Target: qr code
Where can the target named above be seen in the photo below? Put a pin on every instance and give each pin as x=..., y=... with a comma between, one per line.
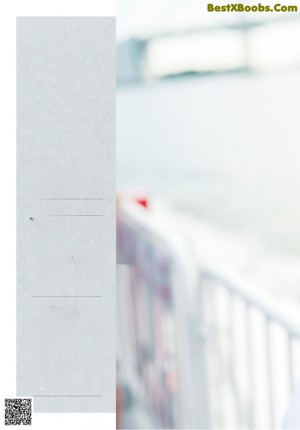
x=18, y=412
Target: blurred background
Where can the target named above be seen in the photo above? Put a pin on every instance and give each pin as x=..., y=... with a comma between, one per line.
x=208, y=140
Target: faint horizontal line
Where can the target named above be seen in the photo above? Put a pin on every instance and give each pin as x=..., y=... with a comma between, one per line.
x=75, y=215
x=73, y=198
x=44, y=395
x=68, y=297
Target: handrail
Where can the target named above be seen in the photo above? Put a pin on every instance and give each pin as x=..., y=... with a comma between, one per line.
x=189, y=282
x=253, y=300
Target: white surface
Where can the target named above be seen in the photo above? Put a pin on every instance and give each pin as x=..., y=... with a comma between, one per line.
x=66, y=213
x=292, y=416
x=9, y=11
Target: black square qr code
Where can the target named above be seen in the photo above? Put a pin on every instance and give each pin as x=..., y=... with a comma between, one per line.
x=18, y=412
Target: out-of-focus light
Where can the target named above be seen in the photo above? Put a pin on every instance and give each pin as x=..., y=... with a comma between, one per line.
x=217, y=51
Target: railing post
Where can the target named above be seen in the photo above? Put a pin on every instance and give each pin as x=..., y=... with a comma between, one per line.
x=198, y=345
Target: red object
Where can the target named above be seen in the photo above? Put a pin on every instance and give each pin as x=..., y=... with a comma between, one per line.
x=143, y=201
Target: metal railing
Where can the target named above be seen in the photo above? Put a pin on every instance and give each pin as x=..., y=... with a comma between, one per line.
x=201, y=350
x=250, y=354
x=153, y=331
